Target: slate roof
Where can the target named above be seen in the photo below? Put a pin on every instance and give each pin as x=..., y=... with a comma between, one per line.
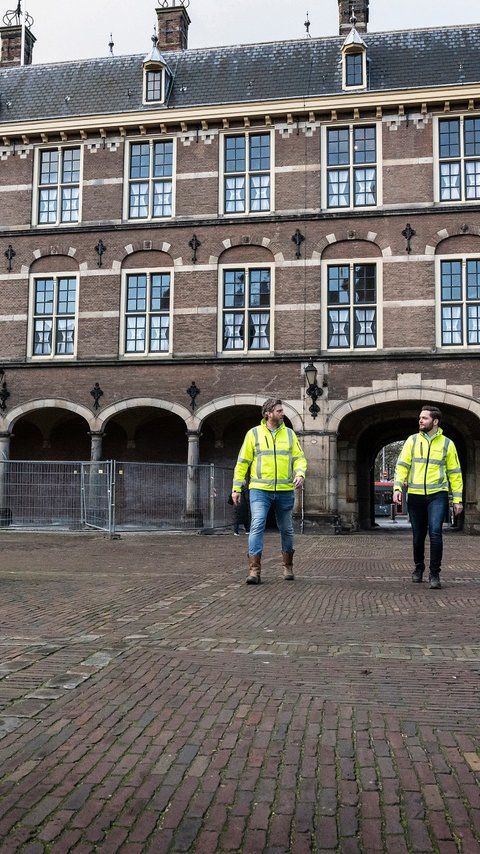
x=244, y=73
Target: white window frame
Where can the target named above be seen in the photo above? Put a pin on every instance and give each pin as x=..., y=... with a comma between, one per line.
x=351, y=166
x=148, y=313
x=54, y=316
x=154, y=70
x=350, y=306
x=357, y=86
x=463, y=302
x=57, y=186
x=245, y=309
x=461, y=159
x=150, y=180
x=248, y=173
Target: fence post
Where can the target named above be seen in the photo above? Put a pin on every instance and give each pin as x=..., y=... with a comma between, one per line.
x=83, y=509
x=111, y=497
x=212, y=495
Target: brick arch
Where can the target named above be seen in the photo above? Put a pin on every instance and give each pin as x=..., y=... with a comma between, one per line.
x=262, y=242
x=145, y=246
x=192, y=422
x=446, y=234
x=40, y=256
x=420, y=391
x=343, y=235
x=50, y=403
x=147, y=258
x=246, y=400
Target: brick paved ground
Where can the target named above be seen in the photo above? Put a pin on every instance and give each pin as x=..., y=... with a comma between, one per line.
x=151, y=701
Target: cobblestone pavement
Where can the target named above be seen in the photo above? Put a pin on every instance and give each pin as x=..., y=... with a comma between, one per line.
x=151, y=701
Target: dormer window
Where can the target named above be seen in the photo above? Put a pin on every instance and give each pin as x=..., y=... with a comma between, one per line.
x=154, y=85
x=354, y=69
x=156, y=77
x=354, y=62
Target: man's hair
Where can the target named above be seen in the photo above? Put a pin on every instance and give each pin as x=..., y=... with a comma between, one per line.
x=270, y=405
x=433, y=410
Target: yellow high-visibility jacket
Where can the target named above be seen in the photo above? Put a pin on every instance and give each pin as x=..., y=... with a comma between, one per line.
x=274, y=461
x=429, y=466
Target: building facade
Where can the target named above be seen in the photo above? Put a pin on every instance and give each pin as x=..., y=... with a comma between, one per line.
x=182, y=233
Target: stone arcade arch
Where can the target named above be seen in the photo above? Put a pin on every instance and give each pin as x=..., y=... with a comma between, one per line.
x=370, y=420
x=50, y=429
x=224, y=422
x=146, y=430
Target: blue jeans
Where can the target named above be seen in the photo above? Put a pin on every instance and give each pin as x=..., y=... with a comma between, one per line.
x=427, y=513
x=260, y=502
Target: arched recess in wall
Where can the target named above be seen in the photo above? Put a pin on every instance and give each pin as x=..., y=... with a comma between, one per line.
x=145, y=430
x=352, y=291
x=371, y=420
x=147, y=285
x=247, y=298
x=50, y=429
x=53, y=302
x=225, y=421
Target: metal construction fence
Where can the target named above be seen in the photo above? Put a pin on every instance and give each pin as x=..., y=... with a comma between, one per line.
x=114, y=496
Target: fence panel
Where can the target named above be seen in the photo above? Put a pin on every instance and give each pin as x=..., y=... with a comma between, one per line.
x=111, y=495
x=42, y=494
x=169, y=496
x=97, y=495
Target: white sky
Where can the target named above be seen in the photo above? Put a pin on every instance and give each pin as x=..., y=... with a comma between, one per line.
x=68, y=29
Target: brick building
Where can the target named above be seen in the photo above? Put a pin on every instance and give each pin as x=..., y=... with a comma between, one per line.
x=214, y=220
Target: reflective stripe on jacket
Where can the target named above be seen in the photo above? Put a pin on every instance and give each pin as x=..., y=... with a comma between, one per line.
x=429, y=466
x=274, y=461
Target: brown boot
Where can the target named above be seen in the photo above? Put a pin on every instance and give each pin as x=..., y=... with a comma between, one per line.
x=287, y=558
x=255, y=566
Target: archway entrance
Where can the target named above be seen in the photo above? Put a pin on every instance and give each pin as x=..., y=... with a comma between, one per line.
x=145, y=434
x=363, y=433
x=50, y=434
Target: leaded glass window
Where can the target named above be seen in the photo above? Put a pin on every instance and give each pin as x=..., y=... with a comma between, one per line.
x=54, y=316
x=352, y=166
x=352, y=306
x=459, y=159
x=460, y=302
x=59, y=186
x=147, y=313
x=247, y=178
x=150, y=180
x=246, y=295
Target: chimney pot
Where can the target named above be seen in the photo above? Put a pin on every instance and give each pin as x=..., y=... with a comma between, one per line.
x=359, y=9
x=11, y=49
x=173, y=23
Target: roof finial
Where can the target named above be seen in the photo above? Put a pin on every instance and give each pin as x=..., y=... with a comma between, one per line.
x=307, y=26
x=154, y=38
x=353, y=17
x=111, y=44
x=16, y=16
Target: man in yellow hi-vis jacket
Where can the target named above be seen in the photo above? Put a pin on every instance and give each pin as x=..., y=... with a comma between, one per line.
x=272, y=456
x=429, y=463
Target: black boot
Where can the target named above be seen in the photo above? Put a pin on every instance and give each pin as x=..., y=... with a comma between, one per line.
x=435, y=580
x=417, y=574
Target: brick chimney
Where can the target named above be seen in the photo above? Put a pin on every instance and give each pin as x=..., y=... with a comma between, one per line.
x=357, y=8
x=11, y=50
x=173, y=21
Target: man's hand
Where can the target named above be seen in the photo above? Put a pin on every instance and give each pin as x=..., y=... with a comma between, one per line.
x=236, y=496
x=457, y=509
x=397, y=496
x=298, y=481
